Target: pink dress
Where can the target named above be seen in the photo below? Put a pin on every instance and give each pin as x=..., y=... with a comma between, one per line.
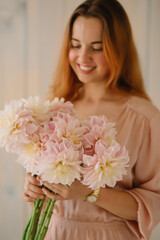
x=138, y=127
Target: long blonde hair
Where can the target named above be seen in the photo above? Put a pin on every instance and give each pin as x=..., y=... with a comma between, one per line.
x=119, y=49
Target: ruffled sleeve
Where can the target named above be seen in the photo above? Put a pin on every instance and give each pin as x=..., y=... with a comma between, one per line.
x=146, y=189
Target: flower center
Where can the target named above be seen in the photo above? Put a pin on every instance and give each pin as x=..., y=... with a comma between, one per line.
x=73, y=138
x=108, y=164
x=32, y=148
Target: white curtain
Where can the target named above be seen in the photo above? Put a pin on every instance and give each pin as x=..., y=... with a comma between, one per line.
x=30, y=39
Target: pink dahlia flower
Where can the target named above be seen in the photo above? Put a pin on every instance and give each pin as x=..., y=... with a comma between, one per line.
x=57, y=106
x=16, y=123
x=40, y=108
x=106, y=166
x=65, y=126
x=98, y=127
x=61, y=164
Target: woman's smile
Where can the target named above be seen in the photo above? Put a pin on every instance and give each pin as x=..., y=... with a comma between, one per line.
x=86, y=69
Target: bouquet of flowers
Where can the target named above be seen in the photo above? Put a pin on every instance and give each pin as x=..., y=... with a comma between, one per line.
x=54, y=143
x=48, y=139
x=104, y=160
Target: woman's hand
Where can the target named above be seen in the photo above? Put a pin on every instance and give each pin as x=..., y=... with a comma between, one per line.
x=62, y=192
x=32, y=189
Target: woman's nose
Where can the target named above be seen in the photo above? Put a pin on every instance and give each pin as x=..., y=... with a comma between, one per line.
x=84, y=55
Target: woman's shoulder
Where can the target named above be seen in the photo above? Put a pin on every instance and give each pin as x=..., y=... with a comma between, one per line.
x=143, y=107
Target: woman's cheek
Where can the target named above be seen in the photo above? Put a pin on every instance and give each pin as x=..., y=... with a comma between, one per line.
x=72, y=56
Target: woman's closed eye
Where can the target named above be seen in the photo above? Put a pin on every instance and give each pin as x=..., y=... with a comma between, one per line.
x=97, y=46
x=91, y=48
x=75, y=46
x=97, y=49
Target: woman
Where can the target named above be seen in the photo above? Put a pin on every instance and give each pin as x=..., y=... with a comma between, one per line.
x=99, y=72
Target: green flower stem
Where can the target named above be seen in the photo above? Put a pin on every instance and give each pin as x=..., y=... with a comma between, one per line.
x=26, y=229
x=46, y=222
x=33, y=222
x=42, y=219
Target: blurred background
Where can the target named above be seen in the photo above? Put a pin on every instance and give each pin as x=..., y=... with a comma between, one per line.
x=30, y=38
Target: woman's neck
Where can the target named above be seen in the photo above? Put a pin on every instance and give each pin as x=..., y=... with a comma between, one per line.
x=96, y=92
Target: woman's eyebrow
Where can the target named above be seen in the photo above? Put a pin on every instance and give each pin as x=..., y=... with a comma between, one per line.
x=95, y=42
x=75, y=39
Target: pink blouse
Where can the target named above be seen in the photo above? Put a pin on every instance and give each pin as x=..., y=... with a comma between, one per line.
x=138, y=127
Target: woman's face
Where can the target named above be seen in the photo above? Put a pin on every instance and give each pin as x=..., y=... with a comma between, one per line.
x=86, y=55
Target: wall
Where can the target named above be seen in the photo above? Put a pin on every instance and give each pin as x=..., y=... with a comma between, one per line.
x=30, y=39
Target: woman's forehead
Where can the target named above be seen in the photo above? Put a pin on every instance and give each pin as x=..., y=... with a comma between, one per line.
x=84, y=27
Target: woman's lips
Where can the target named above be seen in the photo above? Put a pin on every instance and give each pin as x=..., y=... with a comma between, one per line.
x=86, y=69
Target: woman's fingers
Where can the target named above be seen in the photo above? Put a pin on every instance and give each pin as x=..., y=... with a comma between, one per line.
x=52, y=195
x=28, y=198
x=56, y=188
x=32, y=179
x=32, y=189
x=34, y=194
